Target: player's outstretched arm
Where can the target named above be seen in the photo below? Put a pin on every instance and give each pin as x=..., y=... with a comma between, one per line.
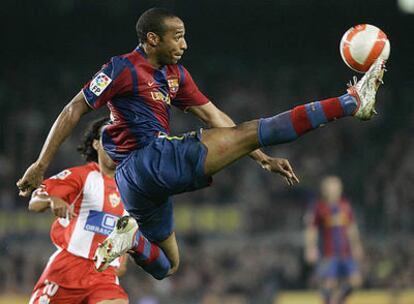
x=63, y=126
x=41, y=202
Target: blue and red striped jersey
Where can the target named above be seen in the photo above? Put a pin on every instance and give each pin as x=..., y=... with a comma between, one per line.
x=139, y=97
x=332, y=222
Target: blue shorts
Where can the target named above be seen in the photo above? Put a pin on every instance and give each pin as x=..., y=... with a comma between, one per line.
x=336, y=267
x=148, y=177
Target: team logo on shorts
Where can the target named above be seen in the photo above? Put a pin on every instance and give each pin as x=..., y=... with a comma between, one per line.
x=114, y=199
x=99, y=83
x=173, y=85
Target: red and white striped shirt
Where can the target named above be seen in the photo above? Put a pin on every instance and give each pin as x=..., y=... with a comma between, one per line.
x=95, y=199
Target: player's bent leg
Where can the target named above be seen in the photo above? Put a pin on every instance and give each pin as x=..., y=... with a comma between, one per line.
x=170, y=248
x=126, y=237
x=158, y=260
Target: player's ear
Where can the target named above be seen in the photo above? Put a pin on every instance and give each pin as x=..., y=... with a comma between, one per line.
x=95, y=144
x=153, y=39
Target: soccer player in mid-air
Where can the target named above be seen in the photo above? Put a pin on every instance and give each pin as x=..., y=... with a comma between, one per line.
x=87, y=204
x=139, y=88
x=332, y=242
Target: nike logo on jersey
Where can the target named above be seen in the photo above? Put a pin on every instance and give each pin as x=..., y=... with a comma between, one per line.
x=150, y=83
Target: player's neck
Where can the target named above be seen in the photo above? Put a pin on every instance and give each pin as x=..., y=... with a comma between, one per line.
x=151, y=56
x=106, y=171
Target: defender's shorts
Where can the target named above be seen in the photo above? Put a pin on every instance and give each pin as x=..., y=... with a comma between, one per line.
x=68, y=279
x=147, y=178
x=336, y=267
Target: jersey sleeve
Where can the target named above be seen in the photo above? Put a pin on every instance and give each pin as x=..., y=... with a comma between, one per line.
x=188, y=94
x=114, y=79
x=67, y=185
x=313, y=215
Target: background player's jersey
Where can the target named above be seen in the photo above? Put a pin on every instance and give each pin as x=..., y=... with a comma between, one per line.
x=95, y=199
x=332, y=222
x=139, y=97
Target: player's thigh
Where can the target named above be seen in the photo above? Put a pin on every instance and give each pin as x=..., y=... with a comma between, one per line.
x=114, y=301
x=226, y=145
x=352, y=273
x=330, y=283
x=328, y=272
x=170, y=248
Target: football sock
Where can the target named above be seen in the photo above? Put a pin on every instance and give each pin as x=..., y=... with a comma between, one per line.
x=326, y=294
x=289, y=125
x=150, y=257
x=344, y=292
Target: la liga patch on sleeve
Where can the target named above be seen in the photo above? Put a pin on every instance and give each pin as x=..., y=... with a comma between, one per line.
x=99, y=83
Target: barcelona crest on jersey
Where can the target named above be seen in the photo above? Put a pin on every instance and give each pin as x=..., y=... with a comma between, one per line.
x=173, y=85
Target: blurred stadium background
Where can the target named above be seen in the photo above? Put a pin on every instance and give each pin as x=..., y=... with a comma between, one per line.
x=241, y=240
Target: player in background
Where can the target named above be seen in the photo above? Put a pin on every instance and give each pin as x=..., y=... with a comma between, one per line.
x=87, y=204
x=332, y=243
x=139, y=88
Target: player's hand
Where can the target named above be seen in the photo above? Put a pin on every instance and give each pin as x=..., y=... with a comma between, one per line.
x=311, y=255
x=31, y=179
x=60, y=208
x=358, y=253
x=282, y=167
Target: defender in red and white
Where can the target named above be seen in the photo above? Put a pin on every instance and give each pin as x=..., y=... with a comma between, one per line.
x=87, y=204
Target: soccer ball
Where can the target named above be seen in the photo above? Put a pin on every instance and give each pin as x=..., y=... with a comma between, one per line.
x=361, y=45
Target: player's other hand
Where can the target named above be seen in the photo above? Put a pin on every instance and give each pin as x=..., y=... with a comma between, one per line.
x=281, y=166
x=31, y=179
x=311, y=255
x=60, y=208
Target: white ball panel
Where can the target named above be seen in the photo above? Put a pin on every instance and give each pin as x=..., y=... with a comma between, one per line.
x=362, y=44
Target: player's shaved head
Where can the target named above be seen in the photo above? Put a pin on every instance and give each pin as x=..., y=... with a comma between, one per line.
x=152, y=20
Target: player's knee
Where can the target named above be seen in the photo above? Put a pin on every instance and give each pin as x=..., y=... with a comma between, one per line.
x=355, y=281
x=330, y=284
x=248, y=126
x=174, y=267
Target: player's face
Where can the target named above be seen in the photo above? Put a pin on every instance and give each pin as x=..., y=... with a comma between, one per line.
x=172, y=44
x=331, y=189
x=103, y=157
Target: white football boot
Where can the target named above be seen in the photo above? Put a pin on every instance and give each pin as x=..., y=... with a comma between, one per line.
x=366, y=88
x=117, y=243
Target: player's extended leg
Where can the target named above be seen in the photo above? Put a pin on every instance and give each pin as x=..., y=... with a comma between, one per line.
x=226, y=145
